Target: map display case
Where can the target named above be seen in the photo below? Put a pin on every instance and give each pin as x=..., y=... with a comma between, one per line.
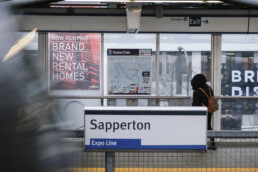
x=129, y=71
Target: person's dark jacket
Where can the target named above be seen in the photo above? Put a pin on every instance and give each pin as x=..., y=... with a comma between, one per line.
x=199, y=97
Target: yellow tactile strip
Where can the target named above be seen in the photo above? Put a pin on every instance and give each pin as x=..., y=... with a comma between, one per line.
x=167, y=170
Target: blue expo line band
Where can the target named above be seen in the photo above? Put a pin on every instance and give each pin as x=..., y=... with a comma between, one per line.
x=132, y=112
x=136, y=144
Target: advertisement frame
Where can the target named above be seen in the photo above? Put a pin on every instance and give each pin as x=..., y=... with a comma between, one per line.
x=73, y=92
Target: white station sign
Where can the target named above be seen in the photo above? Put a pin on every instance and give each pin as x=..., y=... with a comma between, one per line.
x=145, y=128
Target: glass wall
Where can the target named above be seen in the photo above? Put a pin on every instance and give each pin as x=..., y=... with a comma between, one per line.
x=181, y=57
x=239, y=78
x=130, y=66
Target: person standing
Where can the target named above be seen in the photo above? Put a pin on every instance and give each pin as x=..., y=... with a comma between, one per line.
x=200, y=98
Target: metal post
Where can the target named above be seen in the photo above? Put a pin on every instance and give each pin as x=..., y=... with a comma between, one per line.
x=188, y=70
x=102, y=69
x=43, y=58
x=157, y=66
x=109, y=159
x=188, y=73
x=216, y=74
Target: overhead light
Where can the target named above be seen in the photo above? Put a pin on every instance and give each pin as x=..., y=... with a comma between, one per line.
x=150, y=1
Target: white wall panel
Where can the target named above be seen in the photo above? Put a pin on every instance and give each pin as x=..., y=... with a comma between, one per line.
x=72, y=23
x=148, y=24
x=215, y=24
x=253, y=24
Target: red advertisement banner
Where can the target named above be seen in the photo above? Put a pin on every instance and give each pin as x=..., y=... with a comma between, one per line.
x=74, y=61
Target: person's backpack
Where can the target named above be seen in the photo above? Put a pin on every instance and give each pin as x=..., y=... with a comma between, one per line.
x=212, y=102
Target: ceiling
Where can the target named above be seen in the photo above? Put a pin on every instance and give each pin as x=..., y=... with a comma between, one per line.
x=98, y=8
x=134, y=10
x=147, y=4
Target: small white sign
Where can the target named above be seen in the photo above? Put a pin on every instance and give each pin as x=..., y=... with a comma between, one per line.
x=145, y=128
x=179, y=19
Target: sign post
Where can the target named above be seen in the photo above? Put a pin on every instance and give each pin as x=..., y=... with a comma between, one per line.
x=109, y=159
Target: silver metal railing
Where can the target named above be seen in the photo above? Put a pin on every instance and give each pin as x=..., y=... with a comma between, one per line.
x=236, y=151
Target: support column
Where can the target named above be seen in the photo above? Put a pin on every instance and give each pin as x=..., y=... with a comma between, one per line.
x=102, y=69
x=43, y=58
x=216, y=75
x=157, y=67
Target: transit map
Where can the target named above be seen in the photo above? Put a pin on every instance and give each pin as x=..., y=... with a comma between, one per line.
x=129, y=71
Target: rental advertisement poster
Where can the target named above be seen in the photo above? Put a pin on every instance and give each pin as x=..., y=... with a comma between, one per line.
x=129, y=71
x=74, y=61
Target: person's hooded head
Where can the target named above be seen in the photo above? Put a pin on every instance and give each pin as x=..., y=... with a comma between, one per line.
x=198, y=81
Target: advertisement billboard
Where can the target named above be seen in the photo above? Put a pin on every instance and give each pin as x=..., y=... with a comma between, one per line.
x=239, y=79
x=74, y=61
